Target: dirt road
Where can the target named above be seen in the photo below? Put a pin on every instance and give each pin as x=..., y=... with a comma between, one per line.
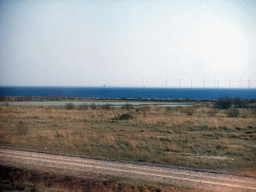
x=200, y=179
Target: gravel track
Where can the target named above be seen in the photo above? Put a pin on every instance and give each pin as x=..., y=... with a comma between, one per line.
x=213, y=181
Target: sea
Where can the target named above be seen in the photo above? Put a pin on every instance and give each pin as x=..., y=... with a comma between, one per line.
x=130, y=93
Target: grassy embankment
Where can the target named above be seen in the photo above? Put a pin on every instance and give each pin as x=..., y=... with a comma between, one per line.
x=16, y=179
x=199, y=137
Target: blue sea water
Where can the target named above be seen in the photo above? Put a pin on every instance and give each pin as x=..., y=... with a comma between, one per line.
x=133, y=93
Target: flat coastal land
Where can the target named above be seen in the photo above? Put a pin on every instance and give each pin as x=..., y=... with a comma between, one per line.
x=193, y=134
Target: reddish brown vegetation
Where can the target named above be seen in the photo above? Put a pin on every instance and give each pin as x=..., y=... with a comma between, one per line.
x=17, y=179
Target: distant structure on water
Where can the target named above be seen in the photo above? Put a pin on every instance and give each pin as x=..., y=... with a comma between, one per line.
x=179, y=81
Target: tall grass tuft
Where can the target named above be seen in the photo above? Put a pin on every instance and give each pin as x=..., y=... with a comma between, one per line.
x=232, y=112
x=22, y=128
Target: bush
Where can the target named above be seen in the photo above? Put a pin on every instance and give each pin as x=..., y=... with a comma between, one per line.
x=212, y=112
x=240, y=103
x=253, y=111
x=169, y=109
x=123, y=116
x=127, y=106
x=93, y=106
x=188, y=110
x=70, y=98
x=83, y=107
x=20, y=98
x=232, y=112
x=22, y=128
x=3, y=98
x=70, y=106
x=143, y=109
x=173, y=109
x=107, y=106
x=223, y=103
x=28, y=98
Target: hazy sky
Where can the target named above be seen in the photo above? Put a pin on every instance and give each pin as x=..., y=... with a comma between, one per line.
x=128, y=43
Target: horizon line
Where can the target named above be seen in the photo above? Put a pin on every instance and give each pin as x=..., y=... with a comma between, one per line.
x=162, y=87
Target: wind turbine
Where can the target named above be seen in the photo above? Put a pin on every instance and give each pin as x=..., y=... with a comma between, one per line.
x=179, y=81
x=191, y=82
x=143, y=83
x=215, y=82
x=218, y=83
x=166, y=82
x=203, y=82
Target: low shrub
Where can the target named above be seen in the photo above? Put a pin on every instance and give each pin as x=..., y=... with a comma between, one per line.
x=28, y=98
x=173, y=109
x=69, y=106
x=188, y=110
x=212, y=112
x=232, y=112
x=240, y=103
x=70, y=98
x=20, y=98
x=168, y=109
x=107, y=106
x=143, y=109
x=223, y=103
x=93, y=106
x=22, y=128
x=83, y=107
x=3, y=98
x=127, y=106
x=253, y=111
x=123, y=117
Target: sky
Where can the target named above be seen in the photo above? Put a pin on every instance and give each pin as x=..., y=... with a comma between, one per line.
x=128, y=43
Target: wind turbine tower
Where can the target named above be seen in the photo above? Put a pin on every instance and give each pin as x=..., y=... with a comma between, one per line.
x=218, y=83
x=203, y=82
x=166, y=82
x=191, y=82
x=179, y=81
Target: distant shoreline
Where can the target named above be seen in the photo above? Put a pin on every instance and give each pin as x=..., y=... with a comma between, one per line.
x=88, y=99
x=81, y=99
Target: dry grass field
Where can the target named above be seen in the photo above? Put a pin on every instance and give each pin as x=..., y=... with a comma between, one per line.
x=197, y=137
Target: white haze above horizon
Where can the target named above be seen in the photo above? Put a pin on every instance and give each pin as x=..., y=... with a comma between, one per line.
x=128, y=43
